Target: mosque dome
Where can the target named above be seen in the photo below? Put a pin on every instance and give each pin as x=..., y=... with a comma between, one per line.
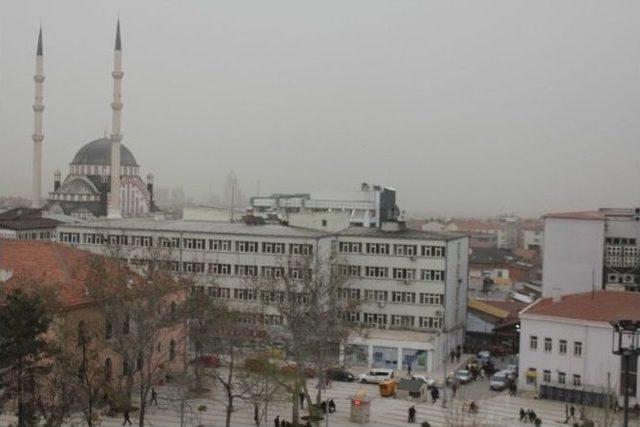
x=98, y=152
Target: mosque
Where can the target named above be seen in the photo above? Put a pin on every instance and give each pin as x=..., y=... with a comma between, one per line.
x=88, y=190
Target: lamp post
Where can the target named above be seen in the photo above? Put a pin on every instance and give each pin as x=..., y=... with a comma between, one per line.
x=626, y=343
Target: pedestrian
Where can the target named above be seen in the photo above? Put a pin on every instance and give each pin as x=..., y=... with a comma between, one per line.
x=473, y=408
x=412, y=414
x=126, y=417
x=537, y=422
x=283, y=423
x=409, y=370
x=572, y=412
x=332, y=406
x=256, y=415
x=323, y=406
x=532, y=415
x=452, y=355
x=458, y=354
x=454, y=388
x=276, y=421
x=523, y=414
x=154, y=396
x=301, y=397
x=435, y=394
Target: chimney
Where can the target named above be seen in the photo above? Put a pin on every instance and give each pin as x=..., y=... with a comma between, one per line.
x=56, y=180
x=555, y=294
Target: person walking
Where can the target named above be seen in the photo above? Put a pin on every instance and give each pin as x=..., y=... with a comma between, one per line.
x=523, y=414
x=154, y=396
x=332, y=406
x=409, y=370
x=301, y=397
x=276, y=421
x=435, y=394
x=454, y=388
x=126, y=417
x=412, y=414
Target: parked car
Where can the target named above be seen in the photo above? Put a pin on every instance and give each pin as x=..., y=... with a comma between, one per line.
x=499, y=380
x=339, y=374
x=430, y=382
x=513, y=371
x=463, y=376
x=376, y=376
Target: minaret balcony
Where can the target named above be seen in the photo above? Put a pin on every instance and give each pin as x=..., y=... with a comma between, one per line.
x=117, y=105
x=117, y=74
x=37, y=137
x=38, y=78
x=38, y=108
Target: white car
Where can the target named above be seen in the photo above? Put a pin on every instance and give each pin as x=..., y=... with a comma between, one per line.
x=430, y=382
x=499, y=380
x=376, y=376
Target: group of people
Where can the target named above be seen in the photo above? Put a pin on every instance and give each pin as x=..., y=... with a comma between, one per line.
x=331, y=406
x=277, y=422
x=530, y=416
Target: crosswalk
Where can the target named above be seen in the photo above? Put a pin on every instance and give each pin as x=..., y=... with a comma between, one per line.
x=497, y=410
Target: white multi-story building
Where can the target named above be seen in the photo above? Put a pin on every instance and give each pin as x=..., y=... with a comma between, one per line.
x=566, y=346
x=368, y=207
x=412, y=289
x=411, y=285
x=587, y=250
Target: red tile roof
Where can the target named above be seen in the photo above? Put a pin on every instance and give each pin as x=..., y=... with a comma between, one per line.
x=599, y=306
x=59, y=268
x=577, y=215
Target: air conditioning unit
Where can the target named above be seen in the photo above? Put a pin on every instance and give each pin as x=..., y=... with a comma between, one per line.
x=613, y=278
x=381, y=304
x=406, y=281
x=628, y=278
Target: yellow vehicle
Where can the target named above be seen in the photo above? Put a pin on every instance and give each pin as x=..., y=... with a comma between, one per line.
x=388, y=388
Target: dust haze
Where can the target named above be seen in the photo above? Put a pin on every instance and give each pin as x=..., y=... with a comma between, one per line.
x=465, y=107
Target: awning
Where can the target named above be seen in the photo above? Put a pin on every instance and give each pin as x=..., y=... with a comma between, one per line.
x=532, y=374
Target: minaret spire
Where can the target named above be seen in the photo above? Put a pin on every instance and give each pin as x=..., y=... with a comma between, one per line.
x=114, y=209
x=38, y=135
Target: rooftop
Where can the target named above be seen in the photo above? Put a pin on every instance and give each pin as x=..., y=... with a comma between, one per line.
x=492, y=256
x=403, y=233
x=599, y=214
x=599, y=306
x=212, y=227
x=26, y=219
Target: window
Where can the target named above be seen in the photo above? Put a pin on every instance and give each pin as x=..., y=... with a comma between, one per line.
x=632, y=378
x=404, y=273
x=376, y=272
x=108, y=329
x=429, y=322
x=246, y=270
x=220, y=245
x=350, y=247
x=562, y=377
x=431, y=299
x=401, y=321
x=172, y=350
x=349, y=293
x=220, y=269
x=324, y=222
x=246, y=246
x=375, y=319
x=378, y=248
x=193, y=243
x=273, y=248
x=548, y=346
x=577, y=348
x=220, y=293
x=271, y=272
x=300, y=249
x=169, y=242
x=577, y=379
x=350, y=270
x=562, y=347
x=351, y=316
x=244, y=294
x=432, y=251
x=407, y=250
x=193, y=267
x=546, y=376
x=371, y=295
x=70, y=237
x=432, y=275
x=406, y=297
x=533, y=342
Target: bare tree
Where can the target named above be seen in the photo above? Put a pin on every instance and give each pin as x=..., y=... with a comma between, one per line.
x=308, y=296
x=263, y=381
x=144, y=324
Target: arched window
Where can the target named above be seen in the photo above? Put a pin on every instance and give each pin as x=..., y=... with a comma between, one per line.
x=125, y=365
x=108, y=369
x=81, y=332
x=108, y=329
x=172, y=350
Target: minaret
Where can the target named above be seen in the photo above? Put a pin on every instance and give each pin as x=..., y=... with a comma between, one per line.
x=114, y=209
x=38, y=136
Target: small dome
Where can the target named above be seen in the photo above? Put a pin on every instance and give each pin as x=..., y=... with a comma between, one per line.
x=78, y=185
x=98, y=152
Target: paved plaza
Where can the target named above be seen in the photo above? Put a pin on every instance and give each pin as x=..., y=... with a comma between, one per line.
x=496, y=409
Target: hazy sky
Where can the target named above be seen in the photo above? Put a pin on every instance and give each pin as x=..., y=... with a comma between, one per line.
x=466, y=107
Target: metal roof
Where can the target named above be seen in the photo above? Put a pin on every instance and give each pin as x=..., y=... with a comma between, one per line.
x=211, y=227
x=98, y=152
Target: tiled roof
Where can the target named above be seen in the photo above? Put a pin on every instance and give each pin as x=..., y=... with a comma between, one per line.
x=56, y=267
x=599, y=306
x=491, y=256
x=405, y=233
x=477, y=225
x=30, y=224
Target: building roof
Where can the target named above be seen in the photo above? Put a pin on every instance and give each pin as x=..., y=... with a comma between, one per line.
x=403, y=233
x=483, y=255
x=98, y=152
x=600, y=214
x=213, y=227
x=499, y=309
x=477, y=225
x=599, y=306
x=46, y=264
x=26, y=219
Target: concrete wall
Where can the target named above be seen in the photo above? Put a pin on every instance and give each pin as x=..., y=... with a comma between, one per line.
x=572, y=256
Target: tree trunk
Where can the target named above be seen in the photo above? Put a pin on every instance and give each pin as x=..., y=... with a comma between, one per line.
x=143, y=404
x=295, y=411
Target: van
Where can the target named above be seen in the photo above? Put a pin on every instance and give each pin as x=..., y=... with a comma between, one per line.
x=376, y=376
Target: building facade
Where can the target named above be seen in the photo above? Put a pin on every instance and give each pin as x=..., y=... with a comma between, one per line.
x=566, y=346
x=410, y=285
x=591, y=250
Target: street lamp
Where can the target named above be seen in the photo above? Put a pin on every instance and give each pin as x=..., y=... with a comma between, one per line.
x=626, y=343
